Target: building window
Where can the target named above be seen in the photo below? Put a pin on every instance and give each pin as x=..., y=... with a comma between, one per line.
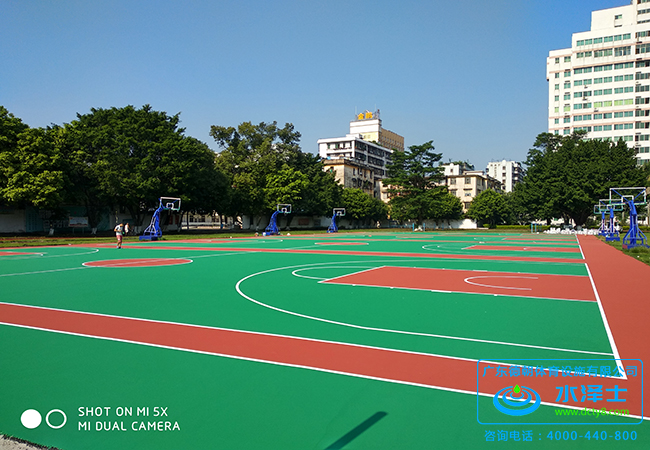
x=567, y=59
x=602, y=53
x=468, y=180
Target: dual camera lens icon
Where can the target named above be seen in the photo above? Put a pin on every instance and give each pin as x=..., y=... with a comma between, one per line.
x=32, y=419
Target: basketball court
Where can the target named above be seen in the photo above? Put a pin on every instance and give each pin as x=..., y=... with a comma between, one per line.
x=337, y=341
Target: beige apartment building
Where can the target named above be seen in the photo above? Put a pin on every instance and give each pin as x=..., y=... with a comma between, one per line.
x=466, y=183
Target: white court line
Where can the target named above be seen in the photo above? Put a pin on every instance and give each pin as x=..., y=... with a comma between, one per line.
x=275, y=362
x=300, y=366
x=369, y=269
x=133, y=261
x=91, y=267
x=608, y=330
x=361, y=327
x=464, y=292
x=42, y=271
x=466, y=280
x=45, y=255
x=295, y=272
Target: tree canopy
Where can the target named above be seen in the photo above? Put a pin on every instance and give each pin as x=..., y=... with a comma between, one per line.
x=363, y=208
x=567, y=175
x=413, y=184
x=488, y=206
x=266, y=166
x=119, y=157
x=130, y=157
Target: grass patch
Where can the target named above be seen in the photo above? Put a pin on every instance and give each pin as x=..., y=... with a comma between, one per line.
x=639, y=253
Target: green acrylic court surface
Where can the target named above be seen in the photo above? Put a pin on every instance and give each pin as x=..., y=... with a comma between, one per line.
x=345, y=341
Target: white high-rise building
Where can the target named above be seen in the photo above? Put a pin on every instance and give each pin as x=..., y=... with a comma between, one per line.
x=508, y=173
x=602, y=83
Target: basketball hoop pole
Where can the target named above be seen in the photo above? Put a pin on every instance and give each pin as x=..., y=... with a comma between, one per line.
x=153, y=232
x=634, y=236
x=340, y=212
x=272, y=228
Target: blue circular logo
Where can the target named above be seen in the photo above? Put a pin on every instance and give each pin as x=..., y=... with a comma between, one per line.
x=516, y=401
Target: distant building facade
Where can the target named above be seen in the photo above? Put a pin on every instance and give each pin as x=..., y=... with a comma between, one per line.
x=508, y=173
x=359, y=159
x=466, y=183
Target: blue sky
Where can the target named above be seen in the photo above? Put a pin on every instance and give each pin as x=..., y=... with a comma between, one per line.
x=469, y=75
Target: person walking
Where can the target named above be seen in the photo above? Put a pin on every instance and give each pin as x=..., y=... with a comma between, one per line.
x=119, y=230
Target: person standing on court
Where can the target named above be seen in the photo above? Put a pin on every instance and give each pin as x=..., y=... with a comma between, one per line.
x=119, y=230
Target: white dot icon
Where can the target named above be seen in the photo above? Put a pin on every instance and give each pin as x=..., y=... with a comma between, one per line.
x=31, y=418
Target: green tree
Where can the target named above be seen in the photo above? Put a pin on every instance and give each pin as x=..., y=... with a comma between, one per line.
x=363, y=208
x=323, y=192
x=567, y=175
x=130, y=157
x=413, y=177
x=519, y=210
x=488, y=206
x=285, y=186
x=266, y=166
x=32, y=166
x=446, y=207
x=250, y=154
